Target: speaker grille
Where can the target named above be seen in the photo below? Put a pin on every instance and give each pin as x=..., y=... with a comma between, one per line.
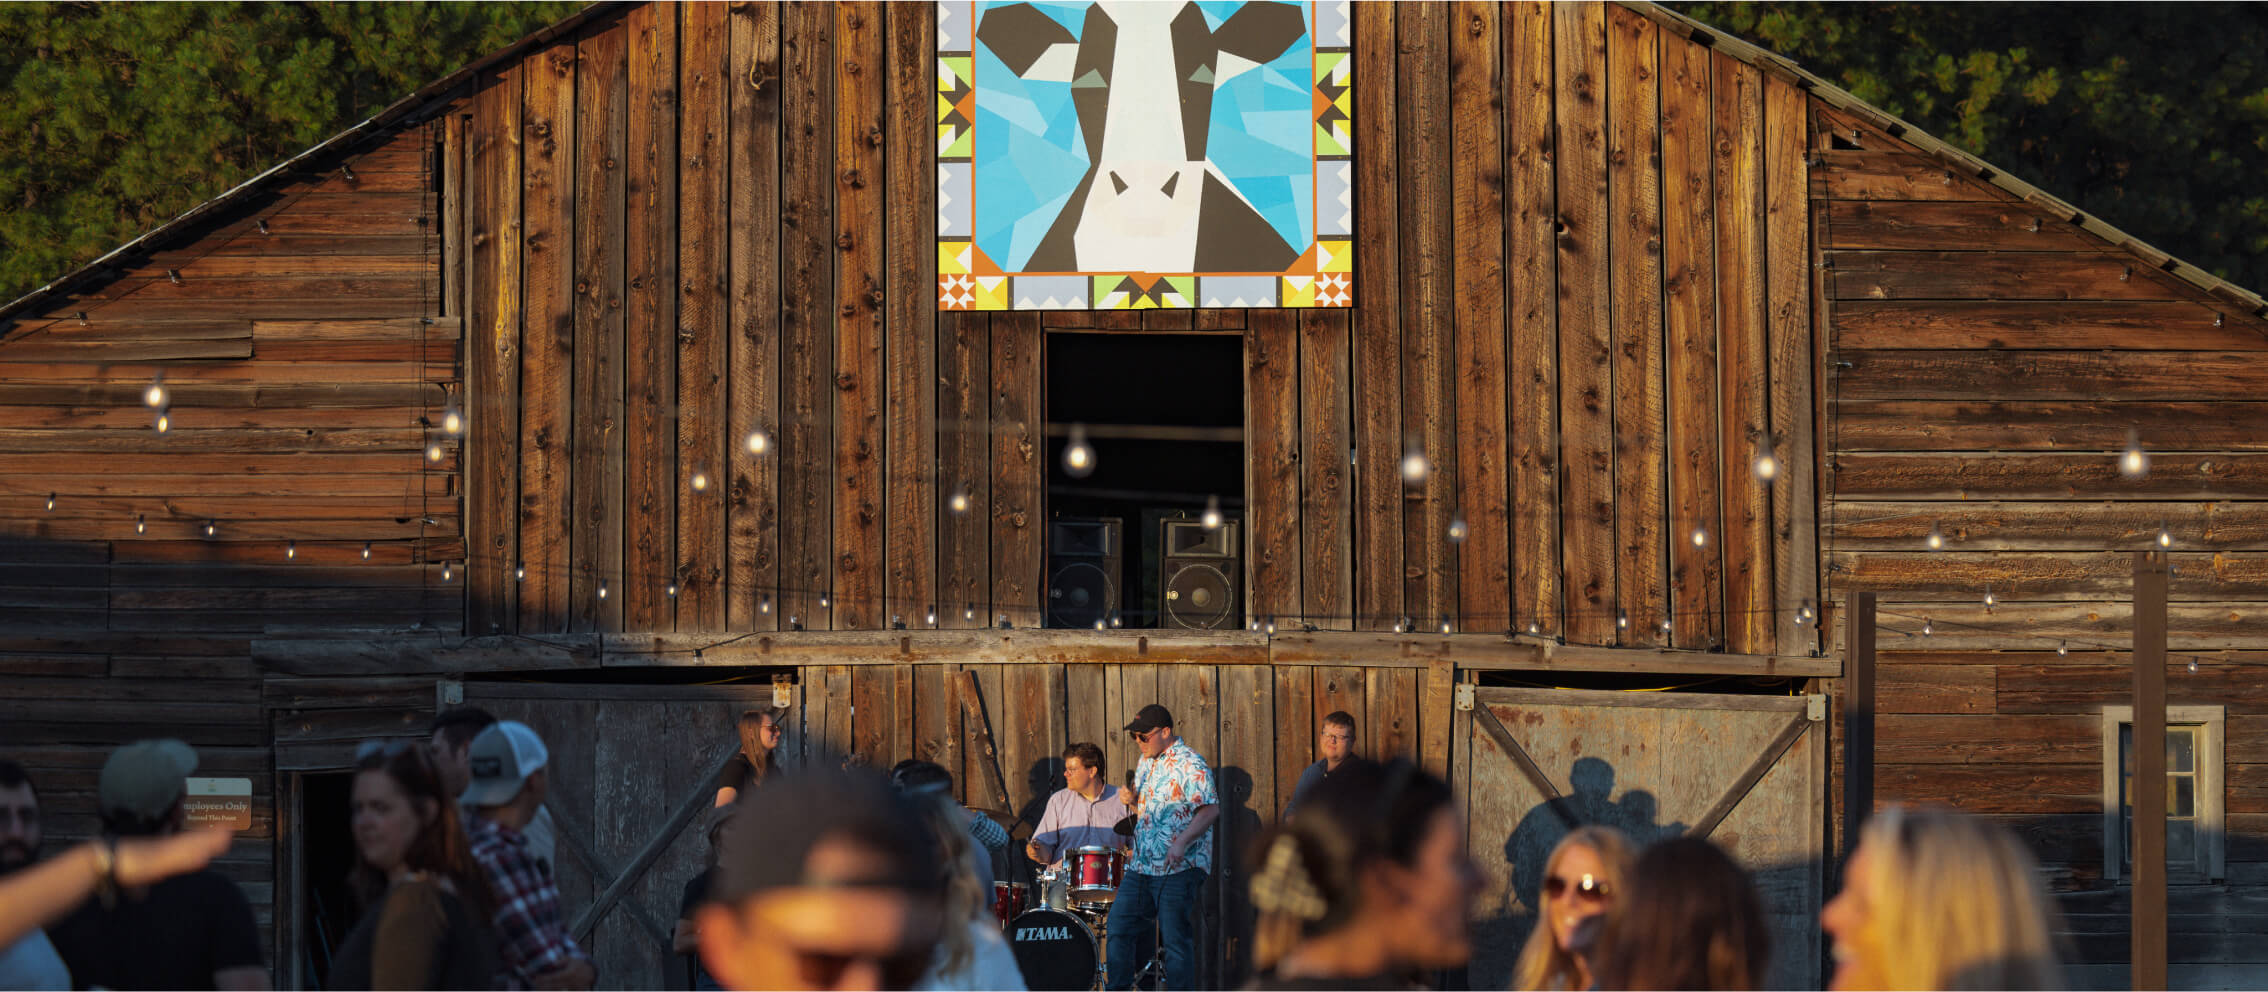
x=1199, y=574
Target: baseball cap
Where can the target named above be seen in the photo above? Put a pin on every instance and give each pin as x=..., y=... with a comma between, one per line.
x=1150, y=718
x=501, y=758
x=761, y=853
x=144, y=779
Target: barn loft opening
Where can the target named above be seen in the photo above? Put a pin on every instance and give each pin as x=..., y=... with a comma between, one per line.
x=1164, y=415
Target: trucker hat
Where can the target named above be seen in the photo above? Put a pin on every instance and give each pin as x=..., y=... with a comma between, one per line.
x=501, y=758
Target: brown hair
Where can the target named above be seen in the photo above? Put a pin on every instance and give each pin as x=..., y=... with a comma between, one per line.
x=1088, y=755
x=1689, y=918
x=1339, y=718
x=761, y=765
x=440, y=846
x=1543, y=963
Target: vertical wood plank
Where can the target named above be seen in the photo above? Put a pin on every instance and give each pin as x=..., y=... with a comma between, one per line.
x=1085, y=710
x=1787, y=278
x=910, y=475
x=1326, y=504
x=812, y=732
x=1118, y=750
x=1017, y=470
x=1635, y=319
x=703, y=336
x=1436, y=706
x=602, y=93
x=1480, y=377
x=452, y=218
x=872, y=708
x=547, y=259
x=842, y=709
x=1586, y=396
x=1531, y=217
x=1390, y=695
x=1294, y=696
x=807, y=319
x=976, y=782
x=901, y=713
x=1689, y=288
x=964, y=457
x=752, y=106
x=1377, y=326
x=491, y=525
x=860, y=193
x=1247, y=785
x=1272, y=435
x=1188, y=691
x=652, y=477
x=1737, y=111
x=1428, y=307
x=937, y=716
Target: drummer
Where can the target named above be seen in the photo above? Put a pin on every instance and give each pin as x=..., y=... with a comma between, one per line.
x=1082, y=813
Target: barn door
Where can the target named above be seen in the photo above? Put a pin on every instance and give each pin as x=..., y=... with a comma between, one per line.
x=1747, y=772
x=632, y=769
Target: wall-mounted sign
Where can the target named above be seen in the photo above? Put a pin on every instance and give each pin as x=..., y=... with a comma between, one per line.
x=1144, y=154
x=219, y=802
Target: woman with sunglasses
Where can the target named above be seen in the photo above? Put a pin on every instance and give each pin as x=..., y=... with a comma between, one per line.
x=1368, y=887
x=1581, y=878
x=1935, y=899
x=426, y=901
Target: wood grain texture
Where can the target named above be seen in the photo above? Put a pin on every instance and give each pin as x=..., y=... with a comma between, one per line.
x=1479, y=369
x=910, y=477
x=964, y=456
x=1296, y=729
x=703, y=320
x=1983, y=424
x=861, y=446
x=595, y=531
x=547, y=258
x=1983, y=226
x=1531, y=220
x=1272, y=504
x=807, y=317
x=2046, y=525
x=1689, y=290
x=1737, y=108
x=1377, y=400
x=2048, y=325
x=651, y=476
x=1428, y=268
x=1326, y=470
x=1787, y=277
x=1966, y=275
x=493, y=360
x=2130, y=376
x=1017, y=448
x=1986, y=475
x=1586, y=370
x=753, y=359
x=1634, y=195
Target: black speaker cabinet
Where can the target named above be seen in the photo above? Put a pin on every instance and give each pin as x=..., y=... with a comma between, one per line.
x=1200, y=575
x=1083, y=558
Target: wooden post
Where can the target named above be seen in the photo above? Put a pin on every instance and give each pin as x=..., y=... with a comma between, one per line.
x=2148, y=792
x=1858, y=719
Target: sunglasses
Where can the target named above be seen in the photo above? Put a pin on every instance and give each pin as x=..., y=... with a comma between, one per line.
x=387, y=747
x=1589, y=888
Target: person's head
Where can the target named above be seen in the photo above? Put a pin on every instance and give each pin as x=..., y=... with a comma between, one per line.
x=842, y=892
x=958, y=896
x=1152, y=730
x=142, y=786
x=1582, y=877
x=508, y=764
x=405, y=821
x=1082, y=766
x=1337, y=741
x=19, y=818
x=761, y=731
x=453, y=733
x=916, y=777
x=1377, y=853
x=1935, y=899
x=1688, y=918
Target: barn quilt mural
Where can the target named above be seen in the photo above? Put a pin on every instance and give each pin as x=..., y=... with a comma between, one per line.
x=1144, y=154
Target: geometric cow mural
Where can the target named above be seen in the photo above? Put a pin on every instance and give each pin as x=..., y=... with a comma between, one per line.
x=1143, y=154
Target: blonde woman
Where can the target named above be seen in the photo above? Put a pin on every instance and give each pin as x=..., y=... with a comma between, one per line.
x=1936, y=899
x=1584, y=873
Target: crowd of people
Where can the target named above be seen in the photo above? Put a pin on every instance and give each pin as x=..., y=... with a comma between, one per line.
x=829, y=875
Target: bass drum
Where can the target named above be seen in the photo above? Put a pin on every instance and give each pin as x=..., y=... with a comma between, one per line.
x=1055, y=950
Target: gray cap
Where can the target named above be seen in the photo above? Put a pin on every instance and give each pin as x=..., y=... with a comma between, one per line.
x=501, y=758
x=144, y=779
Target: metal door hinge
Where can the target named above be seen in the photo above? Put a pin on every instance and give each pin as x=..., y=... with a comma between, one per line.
x=1815, y=707
x=1464, y=695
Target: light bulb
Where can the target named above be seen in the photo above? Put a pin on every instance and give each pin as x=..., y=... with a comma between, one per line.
x=519, y=573
x=1928, y=628
x=212, y=527
x=1700, y=537
x=700, y=480
x=602, y=589
x=824, y=602
x=51, y=501
x=154, y=397
x=764, y=604
x=453, y=421
x=433, y=452
x=1804, y=614
x=1212, y=516
x=1622, y=619
x=1457, y=529
x=446, y=571
x=759, y=442
x=670, y=590
x=2193, y=666
x=164, y=423
x=1270, y=629
x=1101, y=624
x=931, y=617
x=1078, y=455
x=1534, y=628
x=2165, y=537
x=1252, y=625
x=1402, y=626
x=140, y=525
x=1115, y=622
x=2062, y=649
x=365, y=551
x=1989, y=599
x=1936, y=538
x=959, y=501
x=1666, y=628
x=968, y=612
x=1445, y=628
x=291, y=549
x=1767, y=466
x=1414, y=468
x=2134, y=462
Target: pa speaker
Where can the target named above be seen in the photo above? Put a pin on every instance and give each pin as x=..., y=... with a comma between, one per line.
x=1200, y=572
x=1082, y=570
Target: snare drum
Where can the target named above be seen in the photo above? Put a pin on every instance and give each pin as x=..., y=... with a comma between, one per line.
x=1054, y=950
x=1008, y=900
x=1095, y=873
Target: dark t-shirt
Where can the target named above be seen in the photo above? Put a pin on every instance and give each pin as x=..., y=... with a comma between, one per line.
x=430, y=941
x=739, y=773
x=174, y=937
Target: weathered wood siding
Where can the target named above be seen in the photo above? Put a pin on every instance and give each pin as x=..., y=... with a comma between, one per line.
x=1988, y=363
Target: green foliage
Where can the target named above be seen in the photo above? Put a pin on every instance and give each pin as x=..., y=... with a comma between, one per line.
x=117, y=117
x=2153, y=116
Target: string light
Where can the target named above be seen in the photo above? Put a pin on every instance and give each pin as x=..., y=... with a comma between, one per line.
x=446, y=571
x=365, y=551
x=1115, y=622
x=1700, y=537
x=140, y=525
x=1445, y=628
x=1402, y=626
x=968, y=612
x=1622, y=619
x=1414, y=467
x=1101, y=624
x=764, y=604
x=1456, y=529
x=825, y=602
x=51, y=502
x=1990, y=600
x=519, y=573
x=1767, y=465
x=2134, y=462
x=1666, y=628
x=1270, y=628
x=154, y=397
x=2062, y=649
x=2193, y=664
x=959, y=501
x=2165, y=537
x=1252, y=625
x=602, y=588
x=1078, y=456
x=1927, y=628
x=453, y=421
x=931, y=616
x=758, y=442
x=433, y=452
x=1534, y=629
x=1804, y=614
x=1936, y=538
x=700, y=480
x=212, y=527
x=164, y=423
x=1211, y=520
x=291, y=549
x=670, y=590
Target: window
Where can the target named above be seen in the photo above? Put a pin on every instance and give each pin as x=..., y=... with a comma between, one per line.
x=2194, y=851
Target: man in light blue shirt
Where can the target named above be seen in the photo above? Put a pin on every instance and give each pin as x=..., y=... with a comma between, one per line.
x=29, y=963
x=1082, y=813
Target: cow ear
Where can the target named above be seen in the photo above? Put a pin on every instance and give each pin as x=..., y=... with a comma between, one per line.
x=1258, y=32
x=1019, y=34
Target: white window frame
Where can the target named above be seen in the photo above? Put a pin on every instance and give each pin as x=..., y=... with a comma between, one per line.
x=2212, y=848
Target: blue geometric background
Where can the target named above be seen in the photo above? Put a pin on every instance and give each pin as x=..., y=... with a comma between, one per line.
x=1030, y=155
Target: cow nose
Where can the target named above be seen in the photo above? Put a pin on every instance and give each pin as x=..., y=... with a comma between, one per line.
x=1117, y=182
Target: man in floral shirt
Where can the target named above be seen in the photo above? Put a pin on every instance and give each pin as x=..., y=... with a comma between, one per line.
x=1173, y=849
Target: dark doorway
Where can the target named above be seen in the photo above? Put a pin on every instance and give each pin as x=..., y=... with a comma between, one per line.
x=1163, y=415
x=327, y=859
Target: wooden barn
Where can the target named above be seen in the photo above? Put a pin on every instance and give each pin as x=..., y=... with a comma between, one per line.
x=606, y=384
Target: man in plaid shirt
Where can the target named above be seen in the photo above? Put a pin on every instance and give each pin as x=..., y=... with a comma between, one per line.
x=508, y=782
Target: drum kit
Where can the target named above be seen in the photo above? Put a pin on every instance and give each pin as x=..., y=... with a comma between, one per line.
x=1058, y=941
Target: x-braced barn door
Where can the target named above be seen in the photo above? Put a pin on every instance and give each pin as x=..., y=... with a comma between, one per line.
x=1747, y=772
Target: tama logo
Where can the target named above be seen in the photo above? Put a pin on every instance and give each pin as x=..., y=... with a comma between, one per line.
x=1043, y=933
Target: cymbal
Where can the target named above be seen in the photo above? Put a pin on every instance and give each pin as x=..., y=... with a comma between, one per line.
x=1125, y=826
